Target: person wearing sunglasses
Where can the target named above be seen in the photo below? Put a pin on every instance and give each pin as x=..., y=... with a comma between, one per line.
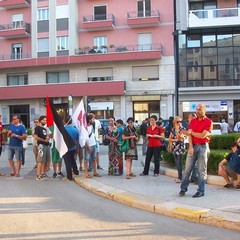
x=176, y=143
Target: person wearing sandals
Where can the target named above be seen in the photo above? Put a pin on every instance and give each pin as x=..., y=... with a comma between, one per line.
x=17, y=133
x=90, y=150
x=176, y=141
x=115, y=163
x=154, y=136
x=131, y=134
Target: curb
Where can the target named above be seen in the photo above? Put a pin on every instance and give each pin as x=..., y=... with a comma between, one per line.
x=206, y=216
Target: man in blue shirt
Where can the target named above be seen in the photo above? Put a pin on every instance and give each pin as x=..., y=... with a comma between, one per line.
x=69, y=157
x=17, y=134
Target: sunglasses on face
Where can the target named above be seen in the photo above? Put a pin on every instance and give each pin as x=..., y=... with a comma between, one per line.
x=178, y=121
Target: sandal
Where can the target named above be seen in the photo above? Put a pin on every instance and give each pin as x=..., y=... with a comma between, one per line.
x=1, y=174
x=128, y=177
x=132, y=175
x=88, y=176
x=96, y=175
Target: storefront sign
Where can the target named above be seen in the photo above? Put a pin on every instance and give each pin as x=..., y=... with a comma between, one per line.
x=101, y=106
x=146, y=98
x=211, y=106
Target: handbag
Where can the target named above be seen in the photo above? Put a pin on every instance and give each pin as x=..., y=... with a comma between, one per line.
x=106, y=142
x=125, y=146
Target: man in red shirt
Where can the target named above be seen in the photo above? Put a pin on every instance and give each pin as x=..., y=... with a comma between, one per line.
x=154, y=136
x=199, y=134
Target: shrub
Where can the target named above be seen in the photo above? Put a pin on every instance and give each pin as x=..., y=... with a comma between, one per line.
x=223, y=141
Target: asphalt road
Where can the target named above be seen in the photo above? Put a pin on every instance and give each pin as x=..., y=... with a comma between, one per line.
x=58, y=209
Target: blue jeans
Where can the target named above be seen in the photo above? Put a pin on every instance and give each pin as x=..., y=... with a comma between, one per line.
x=178, y=161
x=200, y=155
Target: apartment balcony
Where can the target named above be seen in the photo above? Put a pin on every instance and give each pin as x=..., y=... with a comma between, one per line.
x=214, y=17
x=86, y=55
x=109, y=88
x=98, y=22
x=143, y=19
x=10, y=4
x=15, y=30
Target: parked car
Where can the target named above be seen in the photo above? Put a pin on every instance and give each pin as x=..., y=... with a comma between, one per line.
x=216, y=128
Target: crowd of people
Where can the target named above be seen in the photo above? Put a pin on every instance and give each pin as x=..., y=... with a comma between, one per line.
x=196, y=137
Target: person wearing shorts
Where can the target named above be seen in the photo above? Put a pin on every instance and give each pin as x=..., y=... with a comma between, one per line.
x=17, y=133
x=90, y=150
x=42, y=137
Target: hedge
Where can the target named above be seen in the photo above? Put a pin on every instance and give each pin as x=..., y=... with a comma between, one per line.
x=219, y=148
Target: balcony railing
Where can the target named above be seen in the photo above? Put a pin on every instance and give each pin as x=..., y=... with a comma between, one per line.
x=15, y=25
x=118, y=49
x=93, y=50
x=143, y=14
x=214, y=17
x=99, y=17
x=9, y=4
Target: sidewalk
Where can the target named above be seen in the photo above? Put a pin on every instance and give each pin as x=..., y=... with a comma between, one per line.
x=219, y=207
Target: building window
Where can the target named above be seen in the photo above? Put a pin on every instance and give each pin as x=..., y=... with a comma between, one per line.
x=144, y=41
x=145, y=73
x=17, y=20
x=210, y=57
x=144, y=8
x=99, y=43
x=16, y=51
x=62, y=11
x=57, y=77
x=17, y=79
x=100, y=13
x=100, y=74
x=43, y=14
x=62, y=43
x=43, y=44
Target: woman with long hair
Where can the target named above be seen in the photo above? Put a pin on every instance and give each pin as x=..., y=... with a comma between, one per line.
x=115, y=165
x=176, y=141
x=131, y=134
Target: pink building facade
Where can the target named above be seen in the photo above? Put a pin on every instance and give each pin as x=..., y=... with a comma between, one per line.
x=118, y=53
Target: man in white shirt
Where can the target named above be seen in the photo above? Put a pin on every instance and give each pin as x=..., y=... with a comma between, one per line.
x=224, y=127
x=237, y=127
x=96, y=127
x=90, y=150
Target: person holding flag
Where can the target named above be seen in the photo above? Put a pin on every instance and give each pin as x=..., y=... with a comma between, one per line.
x=69, y=156
x=62, y=141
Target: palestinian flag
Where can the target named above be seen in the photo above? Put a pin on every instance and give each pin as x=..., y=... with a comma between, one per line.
x=62, y=140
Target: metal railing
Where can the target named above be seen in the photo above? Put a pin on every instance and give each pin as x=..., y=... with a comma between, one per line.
x=93, y=50
x=117, y=49
x=143, y=14
x=16, y=25
x=99, y=17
